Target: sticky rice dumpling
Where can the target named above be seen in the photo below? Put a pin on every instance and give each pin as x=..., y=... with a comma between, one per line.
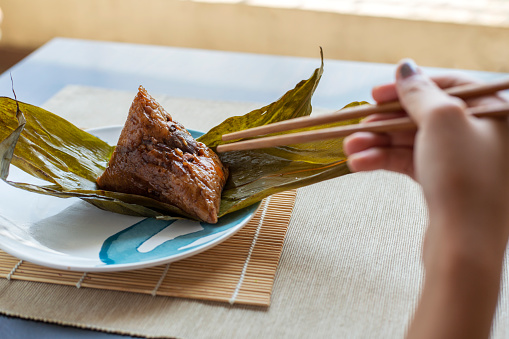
x=158, y=158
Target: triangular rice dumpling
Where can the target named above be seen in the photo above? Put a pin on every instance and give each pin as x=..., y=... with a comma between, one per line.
x=158, y=158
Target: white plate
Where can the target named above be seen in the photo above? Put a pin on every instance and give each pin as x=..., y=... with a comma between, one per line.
x=73, y=235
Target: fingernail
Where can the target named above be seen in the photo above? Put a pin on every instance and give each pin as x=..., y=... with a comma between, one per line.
x=408, y=68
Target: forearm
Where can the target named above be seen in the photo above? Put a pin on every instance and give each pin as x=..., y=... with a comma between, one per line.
x=460, y=291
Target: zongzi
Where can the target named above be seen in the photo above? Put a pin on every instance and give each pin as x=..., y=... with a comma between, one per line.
x=158, y=158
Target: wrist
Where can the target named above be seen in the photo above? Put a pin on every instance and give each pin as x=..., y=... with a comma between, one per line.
x=480, y=232
x=454, y=248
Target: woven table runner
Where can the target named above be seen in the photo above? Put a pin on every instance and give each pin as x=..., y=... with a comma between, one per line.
x=239, y=270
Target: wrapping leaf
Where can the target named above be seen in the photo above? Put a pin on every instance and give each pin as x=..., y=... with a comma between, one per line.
x=69, y=159
x=256, y=174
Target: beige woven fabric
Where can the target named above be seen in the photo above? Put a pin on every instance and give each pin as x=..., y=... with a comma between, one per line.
x=350, y=266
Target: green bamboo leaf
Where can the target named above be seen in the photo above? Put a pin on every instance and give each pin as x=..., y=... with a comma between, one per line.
x=256, y=174
x=70, y=159
x=67, y=158
x=9, y=143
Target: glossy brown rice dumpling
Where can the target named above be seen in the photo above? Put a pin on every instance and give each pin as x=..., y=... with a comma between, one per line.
x=158, y=158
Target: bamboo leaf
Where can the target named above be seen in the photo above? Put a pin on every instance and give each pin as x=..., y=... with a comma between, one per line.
x=8, y=144
x=69, y=160
x=256, y=174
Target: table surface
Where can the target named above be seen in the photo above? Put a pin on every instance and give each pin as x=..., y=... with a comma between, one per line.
x=179, y=72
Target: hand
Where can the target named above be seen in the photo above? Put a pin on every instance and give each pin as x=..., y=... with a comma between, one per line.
x=462, y=163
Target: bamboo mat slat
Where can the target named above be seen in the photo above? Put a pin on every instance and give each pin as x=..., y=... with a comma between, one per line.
x=240, y=270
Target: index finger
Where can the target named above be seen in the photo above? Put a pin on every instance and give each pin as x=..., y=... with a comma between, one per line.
x=422, y=99
x=387, y=92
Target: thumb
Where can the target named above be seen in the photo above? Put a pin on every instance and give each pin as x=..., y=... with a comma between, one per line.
x=420, y=96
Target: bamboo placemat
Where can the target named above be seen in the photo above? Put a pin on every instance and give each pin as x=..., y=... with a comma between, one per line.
x=240, y=270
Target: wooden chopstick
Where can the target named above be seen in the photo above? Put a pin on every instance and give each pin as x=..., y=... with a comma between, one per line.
x=463, y=92
x=398, y=124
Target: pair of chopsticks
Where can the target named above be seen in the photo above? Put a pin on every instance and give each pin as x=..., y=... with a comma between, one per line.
x=398, y=124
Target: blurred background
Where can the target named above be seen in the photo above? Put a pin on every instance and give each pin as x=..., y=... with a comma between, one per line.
x=467, y=34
